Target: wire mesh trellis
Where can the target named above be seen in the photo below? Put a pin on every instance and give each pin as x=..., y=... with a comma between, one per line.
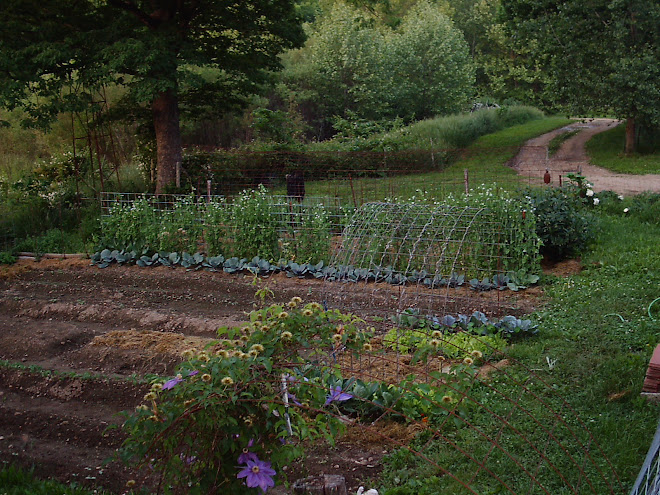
x=251, y=224
x=423, y=257
x=492, y=424
x=648, y=480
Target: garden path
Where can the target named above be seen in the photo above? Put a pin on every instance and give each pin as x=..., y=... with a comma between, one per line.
x=532, y=160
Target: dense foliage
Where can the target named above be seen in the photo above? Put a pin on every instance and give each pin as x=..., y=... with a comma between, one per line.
x=604, y=55
x=249, y=402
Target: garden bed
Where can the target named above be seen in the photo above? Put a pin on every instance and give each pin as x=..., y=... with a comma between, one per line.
x=78, y=341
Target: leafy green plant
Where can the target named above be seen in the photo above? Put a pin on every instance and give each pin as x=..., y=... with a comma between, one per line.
x=248, y=399
x=6, y=258
x=453, y=345
x=255, y=228
x=563, y=223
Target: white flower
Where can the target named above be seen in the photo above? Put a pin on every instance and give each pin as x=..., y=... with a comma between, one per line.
x=621, y=197
x=590, y=192
x=596, y=201
x=626, y=210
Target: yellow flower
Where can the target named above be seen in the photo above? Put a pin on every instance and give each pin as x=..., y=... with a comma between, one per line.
x=257, y=347
x=447, y=399
x=130, y=483
x=315, y=306
x=308, y=312
x=246, y=329
x=367, y=347
x=156, y=387
x=435, y=343
x=436, y=334
x=265, y=328
x=223, y=354
x=142, y=407
x=188, y=354
x=468, y=361
x=337, y=337
x=292, y=304
x=283, y=315
x=150, y=396
x=253, y=353
x=227, y=381
x=237, y=343
x=476, y=354
x=296, y=299
x=248, y=421
x=203, y=357
x=286, y=335
x=206, y=378
x=244, y=338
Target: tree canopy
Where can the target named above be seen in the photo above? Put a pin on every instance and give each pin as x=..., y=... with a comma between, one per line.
x=603, y=55
x=54, y=55
x=354, y=65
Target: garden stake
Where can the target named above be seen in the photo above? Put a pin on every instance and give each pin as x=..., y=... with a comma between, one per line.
x=286, y=406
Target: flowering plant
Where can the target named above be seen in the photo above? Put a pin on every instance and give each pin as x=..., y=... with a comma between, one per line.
x=235, y=414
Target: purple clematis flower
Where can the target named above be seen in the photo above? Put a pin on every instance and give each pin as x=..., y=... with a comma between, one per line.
x=337, y=395
x=172, y=383
x=258, y=474
x=247, y=456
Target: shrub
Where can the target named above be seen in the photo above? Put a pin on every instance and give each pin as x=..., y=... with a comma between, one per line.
x=563, y=222
x=6, y=258
x=229, y=407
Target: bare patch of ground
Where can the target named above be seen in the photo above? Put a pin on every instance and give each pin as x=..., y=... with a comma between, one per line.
x=112, y=326
x=532, y=161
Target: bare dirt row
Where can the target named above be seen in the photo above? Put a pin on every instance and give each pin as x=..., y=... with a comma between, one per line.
x=77, y=342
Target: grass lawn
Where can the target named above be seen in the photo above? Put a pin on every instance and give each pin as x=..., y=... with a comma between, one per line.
x=606, y=150
x=484, y=161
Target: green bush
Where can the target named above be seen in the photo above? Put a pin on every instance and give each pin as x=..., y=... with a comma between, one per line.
x=227, y=408
x=563, y=222
x=6, y=258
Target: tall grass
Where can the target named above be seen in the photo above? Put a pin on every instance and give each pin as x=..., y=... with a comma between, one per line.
x=453, y=131
x=484, y=160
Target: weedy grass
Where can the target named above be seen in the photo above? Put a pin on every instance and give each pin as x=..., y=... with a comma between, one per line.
x=592, y=350
x=484, y=160
x=606, y=150
x=556, y=142
x=17, y=481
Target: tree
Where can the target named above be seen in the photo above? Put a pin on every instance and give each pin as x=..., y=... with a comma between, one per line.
x=355, y=66
x=603, y=55
x=54, y=54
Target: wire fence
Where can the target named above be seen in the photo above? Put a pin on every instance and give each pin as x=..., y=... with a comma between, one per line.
x=648, y=480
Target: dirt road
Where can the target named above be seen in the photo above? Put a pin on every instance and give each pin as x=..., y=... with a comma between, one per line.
x=533, y=160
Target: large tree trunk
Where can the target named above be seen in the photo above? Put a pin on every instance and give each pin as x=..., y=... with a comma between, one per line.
x=165, y=109
x=631, y=142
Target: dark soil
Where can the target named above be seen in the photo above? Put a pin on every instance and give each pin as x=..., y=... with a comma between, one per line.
x=114, y=325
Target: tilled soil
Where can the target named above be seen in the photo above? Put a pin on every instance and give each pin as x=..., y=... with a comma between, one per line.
x=114, y=325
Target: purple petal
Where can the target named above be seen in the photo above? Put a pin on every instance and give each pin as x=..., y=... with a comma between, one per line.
x=193, y=373
x=247, y=456
x=169, y=384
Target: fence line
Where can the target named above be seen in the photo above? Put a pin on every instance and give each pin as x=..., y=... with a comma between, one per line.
x=648, y=480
